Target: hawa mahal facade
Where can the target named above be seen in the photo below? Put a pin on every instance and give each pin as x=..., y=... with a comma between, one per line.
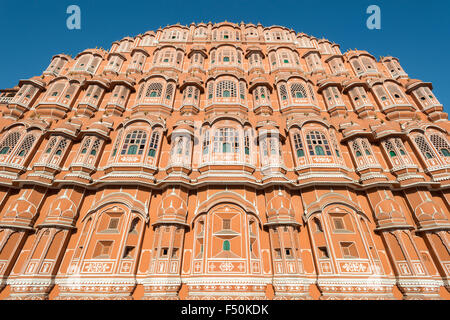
x=223, y=161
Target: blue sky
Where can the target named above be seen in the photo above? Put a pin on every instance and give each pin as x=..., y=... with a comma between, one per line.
x=416, y=32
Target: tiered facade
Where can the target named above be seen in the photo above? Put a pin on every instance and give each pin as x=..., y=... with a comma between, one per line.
x=223, y=161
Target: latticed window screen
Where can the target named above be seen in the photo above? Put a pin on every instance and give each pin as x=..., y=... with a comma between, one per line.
x=206, y=143
x=390, y=148
x=368, y=63
x=9, y=143
x=356, y=149
x=226, y=89
x=334, y=143
x=242, y=90
x=440, y=144
x=226, y=140
x=85, y=147
x=50, y=145
x=95, y=147
x=357, y=66
x=93, y=65
x=298, y=145
x=154, y=90
x=179, y=57
x=274, y=145
x=82, y=63
x=381, y=93
x=153, y=146
x=141, y=89
x=169, y=91
x=317, y=144
x=283, y=92
x=247, y=142
x=56, y=89
x=298, y=91
x=116, y=145
x=256, y=94
x=134, y=143
x=366, y=147
x=311, y=92
x=424, y=147
x=263, y=146
x=26, y=145
x=400, y=146
x=61, y=147
x=336, y=93
x=272, y=59
x=155, y=57
x=71, y=91
x=210, y=90
x=395, y=91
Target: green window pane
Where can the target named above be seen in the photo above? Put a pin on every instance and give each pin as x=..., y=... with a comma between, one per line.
x=226, y=245
x=319, y=151
x=226, y=147
x=132, y=149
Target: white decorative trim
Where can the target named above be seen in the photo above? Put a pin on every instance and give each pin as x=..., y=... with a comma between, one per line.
x=226, y=280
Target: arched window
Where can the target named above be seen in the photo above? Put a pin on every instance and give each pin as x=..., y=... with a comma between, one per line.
x=226, y=89
x=283, y=92
x=247, y=142
x=61, y=146
x=298, y=91
x=116, y=145
x=169, y=91
x=205, y=143
x=440, y=144
x=298, y=145
x=134, y=143
x=153, y=144
x=317, y=144
x=9, y=142
x=26, y=145
x=154, y=90
x=366, y=147
x=95, y=147
x=424, y=147
x=226, y=140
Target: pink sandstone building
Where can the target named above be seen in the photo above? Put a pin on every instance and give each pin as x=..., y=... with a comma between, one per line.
x=223, y=161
